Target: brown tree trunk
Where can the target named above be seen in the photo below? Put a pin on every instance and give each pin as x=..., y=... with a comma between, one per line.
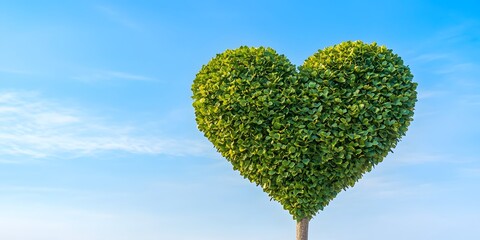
x=302, y=229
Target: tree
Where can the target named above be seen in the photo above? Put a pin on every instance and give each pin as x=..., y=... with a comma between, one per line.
x=305, y=134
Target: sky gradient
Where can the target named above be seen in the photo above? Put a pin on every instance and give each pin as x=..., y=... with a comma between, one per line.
x=98, y=138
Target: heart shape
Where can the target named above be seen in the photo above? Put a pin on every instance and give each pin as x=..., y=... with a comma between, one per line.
x=305, y=135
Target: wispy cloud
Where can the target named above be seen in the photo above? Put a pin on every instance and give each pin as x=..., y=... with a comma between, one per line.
x=42, y=221
x=430, y=57
x=409, y=158
x=470, y=100
x=449, y=52
x=388, y=187
x=454, y=34
x=13, y=71
x=456, y=68
x=118, y=17
x=23, y=189
x=103, y=75
x=32, y=128
x=426, y=94
x=472, y=172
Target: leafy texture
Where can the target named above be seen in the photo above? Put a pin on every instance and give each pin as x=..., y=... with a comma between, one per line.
x=305, y=135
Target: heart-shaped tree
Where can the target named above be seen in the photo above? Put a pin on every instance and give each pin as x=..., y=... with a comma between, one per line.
x=305, y=135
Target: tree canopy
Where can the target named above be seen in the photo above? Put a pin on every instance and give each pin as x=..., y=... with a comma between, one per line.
x=305, y=134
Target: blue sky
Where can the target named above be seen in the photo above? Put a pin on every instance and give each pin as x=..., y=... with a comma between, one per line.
x=98, y=138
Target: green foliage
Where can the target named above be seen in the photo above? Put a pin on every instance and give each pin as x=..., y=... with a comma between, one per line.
x=305, y=135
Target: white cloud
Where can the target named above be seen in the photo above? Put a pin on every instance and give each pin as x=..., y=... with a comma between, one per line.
x=408, y=158
x=13, y=71
x=427, y=94
x=470, y=100
x=389, y=187
x=448, y=54
x=32, y=128
x=430, y=57
x=27, y=189
x=470, y=172
x=456, y=68
x=103, y=75
x=118, y=17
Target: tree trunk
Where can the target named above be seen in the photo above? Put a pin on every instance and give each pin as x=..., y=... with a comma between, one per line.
x=302, y=229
